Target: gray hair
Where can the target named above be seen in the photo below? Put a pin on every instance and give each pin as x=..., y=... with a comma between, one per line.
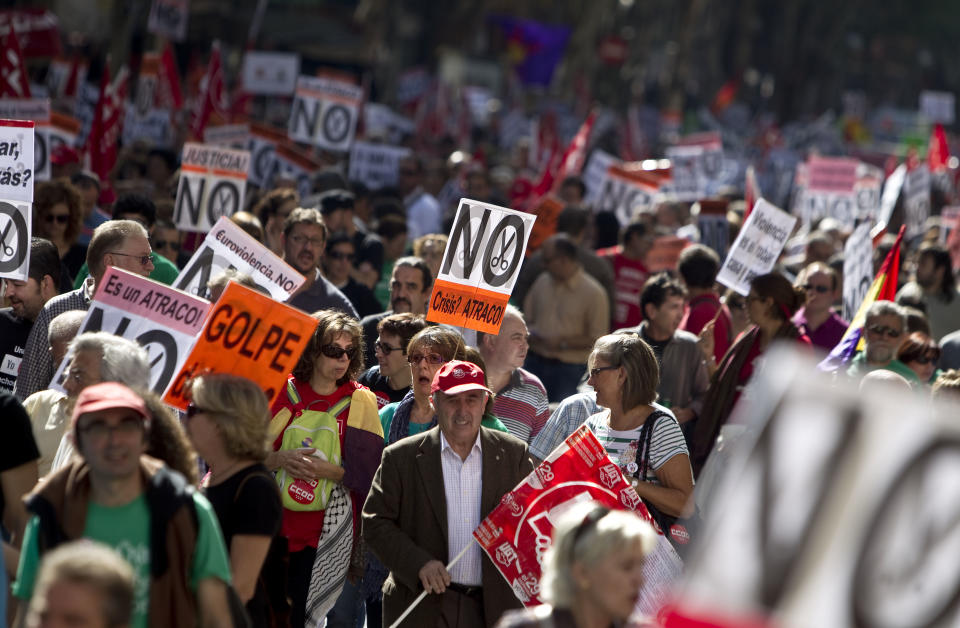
x=577, y=539
x=65, y=326
x=121, y=360
x=510, y=310
x=887, y=308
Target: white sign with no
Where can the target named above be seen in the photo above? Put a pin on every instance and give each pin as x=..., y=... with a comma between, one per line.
x=324, y=113
x=212, y=184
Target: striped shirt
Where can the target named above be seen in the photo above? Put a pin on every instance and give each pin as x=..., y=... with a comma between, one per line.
x=462, y=483
x=621, y=445
x=522, y=405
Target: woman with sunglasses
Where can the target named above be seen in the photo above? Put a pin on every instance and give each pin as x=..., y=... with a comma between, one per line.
x=327, y=443
x=921, y=353
x=390, y=377
x=771, y=304
x=58, y=217
x=227, y=423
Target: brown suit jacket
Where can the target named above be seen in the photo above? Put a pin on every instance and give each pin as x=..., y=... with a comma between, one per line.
x=405, y=519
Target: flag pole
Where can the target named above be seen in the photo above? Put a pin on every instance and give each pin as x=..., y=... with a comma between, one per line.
x=423, y=593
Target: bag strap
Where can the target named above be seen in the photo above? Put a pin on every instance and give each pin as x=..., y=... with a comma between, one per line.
x=643, y=443
x=243, y=482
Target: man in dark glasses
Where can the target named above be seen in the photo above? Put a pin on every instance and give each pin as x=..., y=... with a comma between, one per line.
x=883, y=333
x=817, y=318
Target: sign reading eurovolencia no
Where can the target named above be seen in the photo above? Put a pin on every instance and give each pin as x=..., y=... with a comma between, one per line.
x=484, y=254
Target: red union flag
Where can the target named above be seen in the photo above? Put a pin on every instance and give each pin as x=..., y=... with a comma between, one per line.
x=517, y=533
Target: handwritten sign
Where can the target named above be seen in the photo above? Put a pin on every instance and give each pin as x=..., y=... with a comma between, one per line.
x=757, y=247
x=857, y=269
x=247, y=334
x=212, y=184
x=480, y=265
x=229, y=246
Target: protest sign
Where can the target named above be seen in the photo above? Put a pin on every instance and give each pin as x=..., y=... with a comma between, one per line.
x=152, y=126
x=37, y=110
x=624, y=190
x=938, y=106
x=247, y=334
x=37, y=29
x=695, y=164
x=713, y=226
x=168, y=18
x=293, y=165
x=375, y=165
x=212, y=184
x=595, y=173
x=382, y=122
x=412, y=84
x=857, y=269
x=840, y=188
x=272, y=73
x=480, y=266
x=262, y=145
x=324, y=113
x=228, y=136
x=517, y=533
x=891, y=192
x=757, y=247
x=162, y=320
x=916, y=200
x=16, y=197
x=229, y=246
x=15, y=226
x=829, y=509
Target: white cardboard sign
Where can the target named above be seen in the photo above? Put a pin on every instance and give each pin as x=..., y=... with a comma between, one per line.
x=375, y=165
x=273, y=73
x=621, y=194
x=152, y=126
x=916, y=200
x=212, y=184
x=159, y=318
x=228, y=136
x=938, y=106
x=17, y=160
x=857, y=269
x=229, y=246
x=757, y=247
x=15, y=226
x=324, y=113
x=695, y=163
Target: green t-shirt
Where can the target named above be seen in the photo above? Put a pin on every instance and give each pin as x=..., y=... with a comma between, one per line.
x=386, y=419
x=163, y=271
x=127, y=530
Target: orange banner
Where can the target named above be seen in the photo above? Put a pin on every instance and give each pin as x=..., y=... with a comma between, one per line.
x=248, y=334
x=465, y=306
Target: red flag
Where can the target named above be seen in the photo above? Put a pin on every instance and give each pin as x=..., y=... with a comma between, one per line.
x=725, y=95
x=107, y=125
x=169, y=95
x=73, y=78
x=751, y=192
x=517, y=532
x=938, y=152
x=213, y=97
x=576, y=154
x=14, y=82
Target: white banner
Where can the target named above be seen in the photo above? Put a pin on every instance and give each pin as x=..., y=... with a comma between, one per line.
x=273, y=73
x=262, y=145
x=938, y=106
x=15, y=226
x=622, y=194
x=229, y=246
x=381, y=121
x=324, y=113
x=17, y=161
x=695, y=163
x=916, y=200
x=757, y=247
x=154, y=127
x=292, y=165
x=375, y=165
x=212, y=184
x=857, y=269
x=168, y=18
x=159, y=318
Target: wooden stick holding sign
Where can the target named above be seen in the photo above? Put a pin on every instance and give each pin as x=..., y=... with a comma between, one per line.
x=484, y=253
x=423, y=593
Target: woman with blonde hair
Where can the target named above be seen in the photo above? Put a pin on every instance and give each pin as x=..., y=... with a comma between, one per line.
x=227, y=422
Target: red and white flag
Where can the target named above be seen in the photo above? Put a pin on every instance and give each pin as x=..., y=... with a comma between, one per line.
x=169, y=94
x=575, y=156
x=518, y=532
x=213, y=98
x=107, y=124
x=14, y=82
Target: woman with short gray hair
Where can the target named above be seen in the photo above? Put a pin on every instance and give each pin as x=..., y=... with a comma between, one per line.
x=593, y=572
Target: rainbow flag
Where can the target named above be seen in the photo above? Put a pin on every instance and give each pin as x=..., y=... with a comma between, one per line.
x=883, y=288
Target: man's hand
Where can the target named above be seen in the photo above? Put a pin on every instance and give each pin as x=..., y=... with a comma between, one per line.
x=434, y=577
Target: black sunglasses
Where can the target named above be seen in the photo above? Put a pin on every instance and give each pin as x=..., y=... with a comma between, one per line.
x=336, y=352
x=144, y=259
x=927, y=359
x=193, y=410
x=385, y=348
x=599, y=369
x=881, y=330
x=821, y=289
x=162, y=244
x=60, y=218
x=340, y=256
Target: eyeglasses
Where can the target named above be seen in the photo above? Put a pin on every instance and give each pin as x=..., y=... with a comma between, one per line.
x=58, y=218
x=819, y=289
x=881, y=330
x=340, y=256
x=598, y=369
x=300, y=240
x=926, y=359
x=162, y=244
x=100, y=430
x=431, y=358
x=143, y=259
x=193, y=410
x=385, y=348
x=336, y=352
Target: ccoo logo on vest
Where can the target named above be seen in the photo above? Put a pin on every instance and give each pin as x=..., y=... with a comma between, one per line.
x=484, y=254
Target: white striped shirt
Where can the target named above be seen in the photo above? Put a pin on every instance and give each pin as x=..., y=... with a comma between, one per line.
x=462, y=484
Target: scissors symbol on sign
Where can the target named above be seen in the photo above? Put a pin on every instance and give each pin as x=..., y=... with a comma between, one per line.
x=502, y=260
x=7, y=249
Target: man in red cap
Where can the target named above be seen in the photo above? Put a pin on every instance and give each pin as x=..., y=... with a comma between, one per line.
x=430, y=493
x=118, y=496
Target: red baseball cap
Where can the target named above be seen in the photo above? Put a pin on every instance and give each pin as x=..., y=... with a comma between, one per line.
x=107, y=396
x=457, y=376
